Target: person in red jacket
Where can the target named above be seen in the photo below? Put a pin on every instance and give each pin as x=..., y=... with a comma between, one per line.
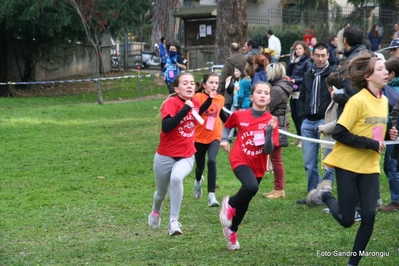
x=208, y=135
x=257, y=135
x=174, y=158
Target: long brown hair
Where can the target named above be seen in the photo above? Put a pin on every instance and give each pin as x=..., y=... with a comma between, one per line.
x=201, y=87
x=360, y=67
x=175, y=84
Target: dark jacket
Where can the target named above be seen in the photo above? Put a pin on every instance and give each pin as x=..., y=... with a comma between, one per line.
x=235, y=59
x=374, y=41
x=305, y=97
x=296, y=70
x=332, y=59
x=346, y=83
x=281, y=90
x=260, y=75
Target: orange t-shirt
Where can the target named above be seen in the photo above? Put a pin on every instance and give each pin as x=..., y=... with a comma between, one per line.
x=212, y=128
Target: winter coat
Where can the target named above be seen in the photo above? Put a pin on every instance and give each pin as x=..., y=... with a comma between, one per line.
x=305, y=97
x=244, y=93
x=281, y=90
x=330, y=120
x=333, y=59
x=296, y=70
x=260, y=75
x=374, y=41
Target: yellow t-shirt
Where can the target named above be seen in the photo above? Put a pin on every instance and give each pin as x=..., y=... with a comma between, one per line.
x=362, y=115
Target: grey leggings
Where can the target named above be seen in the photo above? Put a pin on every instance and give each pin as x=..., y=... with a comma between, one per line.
x=170, y=172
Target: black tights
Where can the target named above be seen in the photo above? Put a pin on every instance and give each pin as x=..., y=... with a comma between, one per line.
x=212, y=149
x=349, y=185
x=241, y=200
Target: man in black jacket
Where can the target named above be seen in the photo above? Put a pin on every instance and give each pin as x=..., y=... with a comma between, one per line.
x=353, y=45
x=313, y=102
x=333, y=59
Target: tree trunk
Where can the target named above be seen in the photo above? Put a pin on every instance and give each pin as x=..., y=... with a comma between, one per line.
x=160, y=23
x=4, y=89
x=231, y=26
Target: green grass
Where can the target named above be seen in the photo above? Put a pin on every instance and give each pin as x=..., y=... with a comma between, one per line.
x=76, y=187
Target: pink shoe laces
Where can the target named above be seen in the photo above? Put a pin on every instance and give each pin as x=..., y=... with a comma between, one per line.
x=231, y=212
x=233, y=237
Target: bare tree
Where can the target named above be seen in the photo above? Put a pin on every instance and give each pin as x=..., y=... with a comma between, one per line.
x=96, y=26
x=160, y=23
x=231, y=26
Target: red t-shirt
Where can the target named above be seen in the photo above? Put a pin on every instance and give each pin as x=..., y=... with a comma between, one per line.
x=244, y=151
x=179, y=142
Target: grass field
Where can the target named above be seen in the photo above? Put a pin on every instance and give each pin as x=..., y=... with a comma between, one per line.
x=77, y=186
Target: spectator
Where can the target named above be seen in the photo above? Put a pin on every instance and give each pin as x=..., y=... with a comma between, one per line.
x=234, y=89
x=162, y=53
x=249, y=48
x=299, y=64
x=313, y=42
x=352, y=44
x=330, y=120
x=260, y=63
x=313, y=102
x=391, y=158
x=333, y=59
x=281, y=91
x=393, y=48
x=235, y=58
x=274, y=46
x=245, y=88
x=375, y=38
x=396, y=31
x=340, y=36
x=175, y=63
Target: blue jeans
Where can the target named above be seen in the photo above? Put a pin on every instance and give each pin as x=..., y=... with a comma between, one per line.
x=329, y=172
x=392, y=173
x=310, y=151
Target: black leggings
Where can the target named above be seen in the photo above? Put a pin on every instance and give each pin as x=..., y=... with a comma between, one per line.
x=349, y=185
x=241, y=200
x=212, y=149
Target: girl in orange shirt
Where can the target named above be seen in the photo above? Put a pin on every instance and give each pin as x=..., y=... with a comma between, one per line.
x=208, y=135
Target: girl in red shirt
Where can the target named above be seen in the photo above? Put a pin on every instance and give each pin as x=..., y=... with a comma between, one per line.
x=174, y=158
x=257, y=135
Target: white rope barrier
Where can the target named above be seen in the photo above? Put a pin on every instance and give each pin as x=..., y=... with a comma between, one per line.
x=387, y=142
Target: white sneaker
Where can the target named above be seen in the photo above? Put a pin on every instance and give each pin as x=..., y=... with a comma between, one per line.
x=232, y=242
x=154, y=221
x=358, y=217
x=226, y=213
x=212, y=202
x=174, y=228
x=379, y=202
x=198, y=188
